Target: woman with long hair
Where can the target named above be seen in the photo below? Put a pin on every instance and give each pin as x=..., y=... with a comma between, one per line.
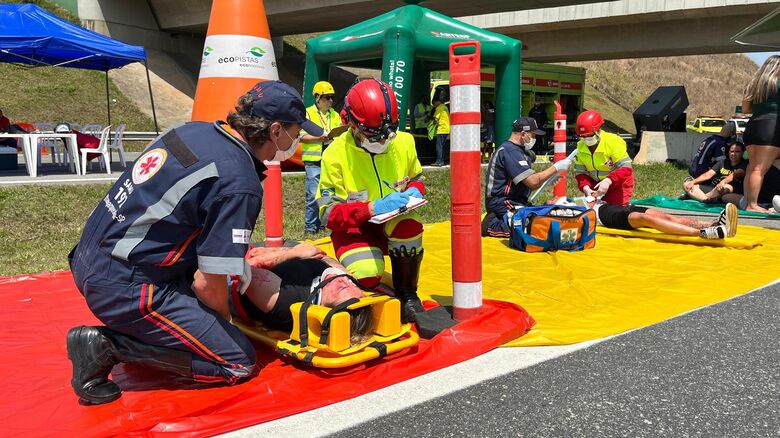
x=762, y=133
x=283, y=276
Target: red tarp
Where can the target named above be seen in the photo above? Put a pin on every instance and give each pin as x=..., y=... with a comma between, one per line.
x=38, y=310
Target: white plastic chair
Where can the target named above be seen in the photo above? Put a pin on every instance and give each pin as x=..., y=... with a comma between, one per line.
x=44, y=127
x=51, y=143
x=93, y=129
x=117, y=144
x=74, y=126
x=102, y=149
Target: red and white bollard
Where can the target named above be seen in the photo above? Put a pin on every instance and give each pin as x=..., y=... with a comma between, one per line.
x=465, y=185
x=272, y=204
x=559, y=137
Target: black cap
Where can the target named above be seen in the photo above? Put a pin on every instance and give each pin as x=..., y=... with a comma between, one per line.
x=526, y=124
x=277, y=101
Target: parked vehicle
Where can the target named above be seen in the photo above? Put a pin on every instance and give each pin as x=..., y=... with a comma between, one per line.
x=706, y=124
x=741, y=121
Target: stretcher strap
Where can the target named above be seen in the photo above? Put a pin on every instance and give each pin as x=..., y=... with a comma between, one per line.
x=380, y=347
x=236, y=300
x=302, y=315
x=325, y=327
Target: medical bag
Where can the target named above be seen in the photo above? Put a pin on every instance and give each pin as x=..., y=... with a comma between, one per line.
x=552, y=228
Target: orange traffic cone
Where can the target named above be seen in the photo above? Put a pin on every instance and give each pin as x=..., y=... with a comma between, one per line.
x=237, y=54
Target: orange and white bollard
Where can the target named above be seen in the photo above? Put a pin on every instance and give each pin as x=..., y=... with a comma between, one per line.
x=465, y=158
x=237, y=54
x=559, y=138
x=272, y=200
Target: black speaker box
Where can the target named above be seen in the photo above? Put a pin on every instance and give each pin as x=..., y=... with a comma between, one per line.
x=664, y=110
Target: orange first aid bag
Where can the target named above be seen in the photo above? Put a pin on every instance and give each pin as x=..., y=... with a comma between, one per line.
x=552, y=228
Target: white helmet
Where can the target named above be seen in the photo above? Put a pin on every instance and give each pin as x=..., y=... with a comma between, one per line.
x=63, y=128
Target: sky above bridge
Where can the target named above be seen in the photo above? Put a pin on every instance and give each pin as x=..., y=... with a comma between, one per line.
x=760, y=57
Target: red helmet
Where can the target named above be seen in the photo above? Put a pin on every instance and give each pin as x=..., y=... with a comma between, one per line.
x=589, y=123
x=372, y=106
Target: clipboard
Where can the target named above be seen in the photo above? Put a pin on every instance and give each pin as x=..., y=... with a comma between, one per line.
x=413, y=203
x=338, y=130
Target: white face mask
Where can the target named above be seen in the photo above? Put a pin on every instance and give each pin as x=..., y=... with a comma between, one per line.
x=374, y=147
x=593, y=140
x=529, y=144
x=283, y=155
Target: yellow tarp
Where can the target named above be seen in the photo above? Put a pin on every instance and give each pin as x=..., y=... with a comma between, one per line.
x=741, y=240
x=622, y=284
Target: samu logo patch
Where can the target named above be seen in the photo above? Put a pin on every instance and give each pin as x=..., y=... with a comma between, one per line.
x=148, y=165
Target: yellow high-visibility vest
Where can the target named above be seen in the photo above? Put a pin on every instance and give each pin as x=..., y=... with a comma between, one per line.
x=442, y=117
x=420, y=114
x=351, y=174
x=610, y=154
x=312, y=152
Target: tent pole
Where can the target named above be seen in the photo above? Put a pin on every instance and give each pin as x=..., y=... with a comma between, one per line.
x=151, y=97
x=108, y=100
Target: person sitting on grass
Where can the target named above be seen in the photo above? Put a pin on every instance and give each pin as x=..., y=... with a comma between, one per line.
x=632, y=217
x=723, y=178
x=284, y=276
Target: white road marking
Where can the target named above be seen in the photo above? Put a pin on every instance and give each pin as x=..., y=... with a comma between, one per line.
x=339, y=416
x=63, y=180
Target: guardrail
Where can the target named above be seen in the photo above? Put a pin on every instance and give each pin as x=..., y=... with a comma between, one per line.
x=136, y=135
x=151, y=135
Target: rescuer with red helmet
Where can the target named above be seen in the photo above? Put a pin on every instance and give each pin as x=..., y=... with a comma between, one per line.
x=602, y=166
x=371, y=170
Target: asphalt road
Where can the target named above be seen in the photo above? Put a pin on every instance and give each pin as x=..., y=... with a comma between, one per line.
x=712, y=372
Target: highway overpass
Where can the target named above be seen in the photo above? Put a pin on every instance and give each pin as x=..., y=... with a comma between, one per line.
x=628, y=28
x=551, y=30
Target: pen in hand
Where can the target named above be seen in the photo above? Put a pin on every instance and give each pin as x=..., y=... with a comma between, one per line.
x=389, y=186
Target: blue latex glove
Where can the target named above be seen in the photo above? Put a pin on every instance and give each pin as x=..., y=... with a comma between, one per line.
x=391, y=202
x=413, y=191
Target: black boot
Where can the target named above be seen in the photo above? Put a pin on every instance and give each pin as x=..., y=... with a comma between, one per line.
x=406, y=272
x=93, y=357
x=95, y=350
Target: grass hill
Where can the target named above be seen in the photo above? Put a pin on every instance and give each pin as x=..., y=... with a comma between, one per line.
x=714, y=84
x=57, y=94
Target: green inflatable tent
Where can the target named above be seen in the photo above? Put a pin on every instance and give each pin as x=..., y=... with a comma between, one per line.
x=763, y=33
x=407, y=44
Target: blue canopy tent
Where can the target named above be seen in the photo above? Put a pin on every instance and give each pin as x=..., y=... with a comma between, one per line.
x=30, y=36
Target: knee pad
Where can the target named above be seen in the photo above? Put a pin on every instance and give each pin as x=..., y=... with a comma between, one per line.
x=403, y=228
x=405, y=236
x=364, y=263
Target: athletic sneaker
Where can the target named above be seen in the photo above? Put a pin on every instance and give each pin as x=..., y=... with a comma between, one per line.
x=728, y=218
x=776, y=203
x=713, y=233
